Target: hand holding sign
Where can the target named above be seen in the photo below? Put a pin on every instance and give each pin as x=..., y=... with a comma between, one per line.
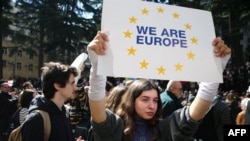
x=158, y=41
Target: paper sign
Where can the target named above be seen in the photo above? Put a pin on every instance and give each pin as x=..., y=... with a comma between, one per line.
x=158, y=41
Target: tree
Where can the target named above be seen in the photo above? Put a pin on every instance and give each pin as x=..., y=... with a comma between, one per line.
x=5, y=22
x=234, y=15
x=59, y=27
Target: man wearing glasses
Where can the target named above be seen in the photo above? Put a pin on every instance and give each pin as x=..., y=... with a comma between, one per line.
x=170, y=98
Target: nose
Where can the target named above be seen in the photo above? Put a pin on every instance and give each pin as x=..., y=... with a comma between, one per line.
x=75, y=87
x=152, y=104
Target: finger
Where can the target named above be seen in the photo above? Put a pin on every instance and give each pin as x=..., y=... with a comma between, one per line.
x=218, y=48
x=98, y=44
x=216, y=41
x=226, y=51
x=221, y=51
x=104, y=36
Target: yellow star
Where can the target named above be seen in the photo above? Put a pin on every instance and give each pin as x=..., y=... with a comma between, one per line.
x=161, y=70
x=132, y=19
x=190, y=55
x=160, y=10
x=176, y=15
x=144, y=11
x=144, y=64
x=194, y=40
x=127, y=34
x=178, y=67
x=131, y=51
x=188, y=26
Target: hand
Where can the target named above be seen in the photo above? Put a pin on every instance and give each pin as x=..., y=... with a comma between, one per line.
x=79, y=138
x=220, y=49
x=98, y=43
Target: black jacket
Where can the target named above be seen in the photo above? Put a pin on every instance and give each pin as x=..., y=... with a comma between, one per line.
x=32, y=129
x=8, y=106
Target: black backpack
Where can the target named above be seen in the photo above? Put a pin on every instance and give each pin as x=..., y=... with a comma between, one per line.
x=14, y=123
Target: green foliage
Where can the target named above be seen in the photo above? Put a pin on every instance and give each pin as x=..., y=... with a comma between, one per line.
x=6, y=18
x=230, y=17
x=58, y=27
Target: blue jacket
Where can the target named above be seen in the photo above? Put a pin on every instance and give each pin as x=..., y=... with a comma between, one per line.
x=33, y=129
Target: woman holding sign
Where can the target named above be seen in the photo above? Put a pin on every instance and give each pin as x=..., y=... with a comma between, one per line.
x=139, y=115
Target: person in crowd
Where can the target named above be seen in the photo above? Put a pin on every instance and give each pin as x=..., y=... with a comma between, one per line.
x=128, y=82
x=212, y=125
x=247, y=116
x=108, y=87
x=25, y=100
x=115, y=97
x=233, y=101
x=190, y=99
x=22, y=112
x=140, y=115
x=241, y=117
x=58, y=85
x=8, y=106
x=170, y=98
x=83, y=125
x=27, y=85
x=14, y=92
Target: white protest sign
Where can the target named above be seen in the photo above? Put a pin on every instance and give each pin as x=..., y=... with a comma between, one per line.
x=158, y=41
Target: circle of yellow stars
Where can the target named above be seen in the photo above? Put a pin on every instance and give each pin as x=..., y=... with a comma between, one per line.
x=161, y=70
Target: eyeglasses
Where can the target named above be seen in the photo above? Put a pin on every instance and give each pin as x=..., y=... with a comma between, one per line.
x=180, y=89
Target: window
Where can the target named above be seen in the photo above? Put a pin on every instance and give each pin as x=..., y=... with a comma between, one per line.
x=19, y=53
x=30, y=68
x=31, y=56
x=19, y=66
x=5, y=51
x=4, y=64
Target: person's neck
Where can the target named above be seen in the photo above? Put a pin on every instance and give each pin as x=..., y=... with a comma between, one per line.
x=58, y=101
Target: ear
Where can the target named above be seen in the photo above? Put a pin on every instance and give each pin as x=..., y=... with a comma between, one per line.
x=57, y=86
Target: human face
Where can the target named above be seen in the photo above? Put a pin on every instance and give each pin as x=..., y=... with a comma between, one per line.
x=146, y=104
x=177, y=90
x=5, y=88
x=69, y=91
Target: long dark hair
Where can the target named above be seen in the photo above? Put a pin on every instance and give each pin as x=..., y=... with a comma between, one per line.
x=127, y=107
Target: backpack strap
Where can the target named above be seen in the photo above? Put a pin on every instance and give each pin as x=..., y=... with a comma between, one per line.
x=46, y=123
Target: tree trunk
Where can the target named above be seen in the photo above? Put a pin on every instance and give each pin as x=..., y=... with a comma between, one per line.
x=235, y=37
x=1, y=47
x=41, y=50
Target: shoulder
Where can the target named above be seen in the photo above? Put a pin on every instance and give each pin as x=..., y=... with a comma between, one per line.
x=221, y=106
x=165, y=96
x=112, y=117
x=34, y=118
x=179, y=120
x=113, y=125
x=24, y=110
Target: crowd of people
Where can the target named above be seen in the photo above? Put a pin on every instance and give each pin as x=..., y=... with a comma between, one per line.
x=100, y=108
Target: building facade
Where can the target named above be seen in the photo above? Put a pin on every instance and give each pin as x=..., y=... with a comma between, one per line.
x=18, y=63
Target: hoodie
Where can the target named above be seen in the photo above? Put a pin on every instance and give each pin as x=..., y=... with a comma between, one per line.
x=33, y=129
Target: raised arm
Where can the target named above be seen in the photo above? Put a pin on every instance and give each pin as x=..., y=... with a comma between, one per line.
x=97, y=82
x=207, y=91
